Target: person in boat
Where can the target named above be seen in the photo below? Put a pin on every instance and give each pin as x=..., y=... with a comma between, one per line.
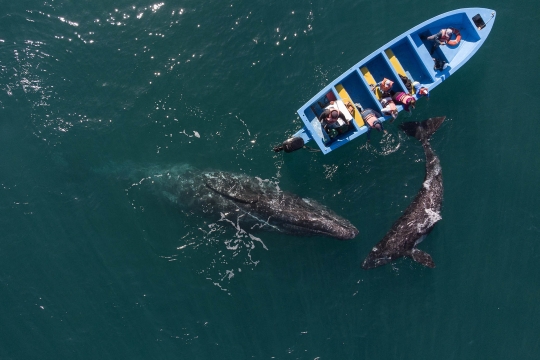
x=402, y=98
x=440, y=38
x=382, y=88
x=332, y=118
x=385, y=86
x=389, y=107
x=420, y=90
x=371, y=118
x=439, y=64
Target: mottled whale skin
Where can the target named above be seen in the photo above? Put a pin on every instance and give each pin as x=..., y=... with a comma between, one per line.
x=424, y=211
x=253, y=202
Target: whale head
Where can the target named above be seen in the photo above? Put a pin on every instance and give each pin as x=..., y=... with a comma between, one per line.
x=309, y=218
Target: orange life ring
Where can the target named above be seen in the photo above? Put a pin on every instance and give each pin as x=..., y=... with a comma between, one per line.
x=457, y=39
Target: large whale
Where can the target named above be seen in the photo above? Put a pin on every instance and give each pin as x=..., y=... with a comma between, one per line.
x=250, y=201
x=424, y=211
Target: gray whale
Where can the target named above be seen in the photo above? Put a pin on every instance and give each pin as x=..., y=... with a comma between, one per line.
x=251, y=201
x=424, y=211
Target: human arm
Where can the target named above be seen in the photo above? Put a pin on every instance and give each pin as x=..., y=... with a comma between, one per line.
x=324, y=115
x=436, y=37
x=382, y=128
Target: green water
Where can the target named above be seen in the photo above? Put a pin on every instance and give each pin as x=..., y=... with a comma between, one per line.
x=96, y=95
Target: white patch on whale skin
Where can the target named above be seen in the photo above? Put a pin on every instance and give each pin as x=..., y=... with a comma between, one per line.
x=431, y=219
x=434, y=216
x=436, y=171
x=427, y=183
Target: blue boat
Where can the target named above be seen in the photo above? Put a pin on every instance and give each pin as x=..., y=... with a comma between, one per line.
x=410, y=55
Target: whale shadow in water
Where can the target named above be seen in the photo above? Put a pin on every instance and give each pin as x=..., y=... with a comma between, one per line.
x=424, y=211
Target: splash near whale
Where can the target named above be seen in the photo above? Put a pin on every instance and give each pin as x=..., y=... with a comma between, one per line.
x=424, y=211
x=250, y=201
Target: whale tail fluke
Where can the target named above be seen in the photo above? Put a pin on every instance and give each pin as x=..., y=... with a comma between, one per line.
x=422, y=130
x=423, y=258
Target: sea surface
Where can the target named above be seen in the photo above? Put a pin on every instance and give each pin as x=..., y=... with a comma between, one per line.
x=96, y=97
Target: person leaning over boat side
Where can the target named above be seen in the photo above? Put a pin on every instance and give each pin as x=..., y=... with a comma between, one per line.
x=371, y=118
x=389, y=108
x=440, y=38
x=420, y=90
x=404, y=99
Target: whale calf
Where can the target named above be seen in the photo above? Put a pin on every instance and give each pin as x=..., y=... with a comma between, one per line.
x=252, y=202
x=424, y=211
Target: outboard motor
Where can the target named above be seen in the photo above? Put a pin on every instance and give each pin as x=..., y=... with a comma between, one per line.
x=290, y=145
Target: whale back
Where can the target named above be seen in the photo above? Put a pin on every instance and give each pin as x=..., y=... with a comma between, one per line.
x=232, y=187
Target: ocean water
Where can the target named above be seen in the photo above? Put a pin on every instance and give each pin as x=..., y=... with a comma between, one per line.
x=97, y=96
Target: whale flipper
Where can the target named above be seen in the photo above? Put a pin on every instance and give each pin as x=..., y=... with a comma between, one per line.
x=422, y=257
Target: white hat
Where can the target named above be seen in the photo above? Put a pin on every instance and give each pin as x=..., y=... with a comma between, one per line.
x=449, y=31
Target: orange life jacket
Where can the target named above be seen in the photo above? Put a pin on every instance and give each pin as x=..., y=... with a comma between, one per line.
x=386, y=85
x=445, y=37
